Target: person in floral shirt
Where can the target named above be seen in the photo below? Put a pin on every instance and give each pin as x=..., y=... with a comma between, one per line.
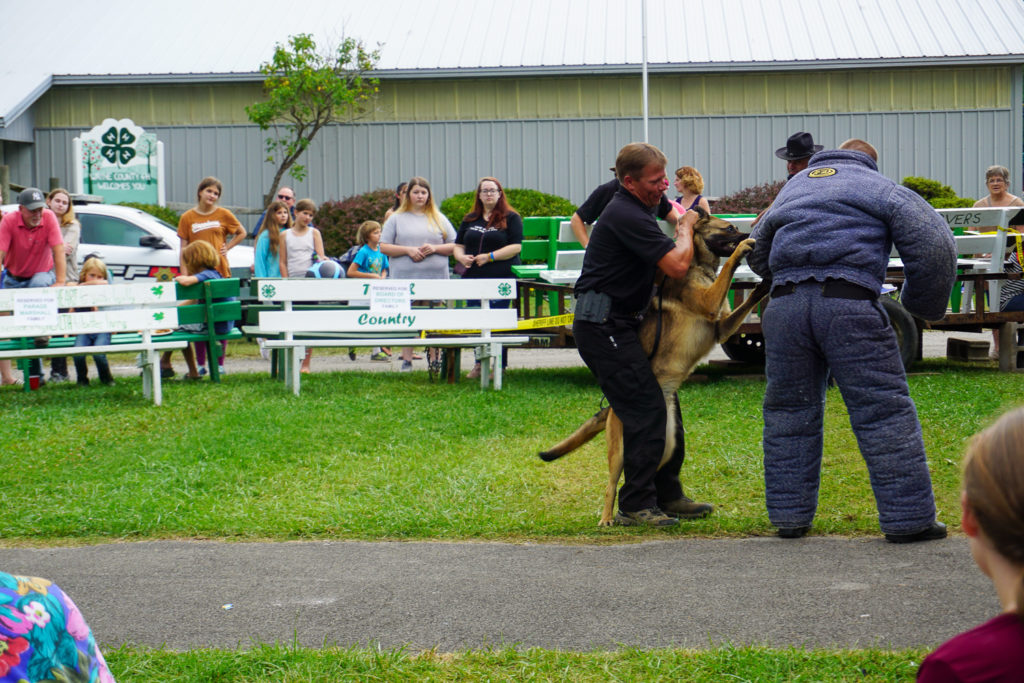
x=43, y=636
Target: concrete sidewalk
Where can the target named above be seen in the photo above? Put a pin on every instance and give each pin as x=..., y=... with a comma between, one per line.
x=934, y=347
x=694, y=593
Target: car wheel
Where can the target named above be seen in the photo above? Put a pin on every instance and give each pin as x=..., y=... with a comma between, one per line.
x=905, y=328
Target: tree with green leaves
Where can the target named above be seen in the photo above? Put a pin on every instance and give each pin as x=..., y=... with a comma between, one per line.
x=307, y=89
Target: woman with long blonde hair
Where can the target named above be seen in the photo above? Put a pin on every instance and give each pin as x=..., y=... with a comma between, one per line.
x=418, y=239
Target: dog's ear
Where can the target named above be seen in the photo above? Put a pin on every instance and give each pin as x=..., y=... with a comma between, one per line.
x=700, y=212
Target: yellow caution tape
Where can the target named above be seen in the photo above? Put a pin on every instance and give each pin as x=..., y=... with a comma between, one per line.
x=529, y=324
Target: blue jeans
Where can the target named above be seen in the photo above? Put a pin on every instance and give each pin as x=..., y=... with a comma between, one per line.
x=44, y=279
x=102, y=367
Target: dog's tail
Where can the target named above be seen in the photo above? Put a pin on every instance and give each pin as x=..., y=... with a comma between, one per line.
x=587, y=431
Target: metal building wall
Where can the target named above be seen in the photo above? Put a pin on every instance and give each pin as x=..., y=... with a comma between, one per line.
x=567, y=157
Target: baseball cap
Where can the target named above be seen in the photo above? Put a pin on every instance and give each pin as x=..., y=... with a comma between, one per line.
x=32, y=198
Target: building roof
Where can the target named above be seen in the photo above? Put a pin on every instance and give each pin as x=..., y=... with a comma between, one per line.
x=126, y=41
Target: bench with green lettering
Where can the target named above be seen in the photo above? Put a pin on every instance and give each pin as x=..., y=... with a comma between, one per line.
x=394, y=313
x=141, y=318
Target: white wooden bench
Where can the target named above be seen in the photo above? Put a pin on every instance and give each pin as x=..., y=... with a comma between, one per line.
x=390, y=319
x=130, y=313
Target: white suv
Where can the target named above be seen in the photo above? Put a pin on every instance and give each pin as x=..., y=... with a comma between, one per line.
x=137, y=246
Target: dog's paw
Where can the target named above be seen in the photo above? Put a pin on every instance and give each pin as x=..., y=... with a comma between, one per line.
x=605, y=522
x=745, y=247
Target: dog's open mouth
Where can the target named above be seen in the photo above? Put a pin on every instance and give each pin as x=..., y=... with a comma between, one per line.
x=723, y=244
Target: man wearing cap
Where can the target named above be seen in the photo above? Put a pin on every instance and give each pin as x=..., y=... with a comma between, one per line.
x=32, y=253
x=825, y=244
x=797, y=152
x=31, y=248
x=599, y=198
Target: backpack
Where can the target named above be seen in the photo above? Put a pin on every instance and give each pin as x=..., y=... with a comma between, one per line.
x=348, y=257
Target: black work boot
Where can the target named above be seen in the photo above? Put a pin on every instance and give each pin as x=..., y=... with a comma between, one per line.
x=649, y=517
x=686, y=508
x=933, y=532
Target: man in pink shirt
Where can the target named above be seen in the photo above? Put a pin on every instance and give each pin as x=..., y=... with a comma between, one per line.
x=32, y=254
x=31, y=248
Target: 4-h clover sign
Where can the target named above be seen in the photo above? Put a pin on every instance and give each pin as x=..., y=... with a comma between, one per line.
x=117, y=147
x=120, y=162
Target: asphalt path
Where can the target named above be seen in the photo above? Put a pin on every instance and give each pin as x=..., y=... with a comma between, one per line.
x=692, y=593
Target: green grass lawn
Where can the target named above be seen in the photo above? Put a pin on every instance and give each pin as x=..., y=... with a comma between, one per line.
x=392, y=456
x=282, y=664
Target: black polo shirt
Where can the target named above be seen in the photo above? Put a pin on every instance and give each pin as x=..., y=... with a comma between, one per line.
x=599, y=198
x=623, y=253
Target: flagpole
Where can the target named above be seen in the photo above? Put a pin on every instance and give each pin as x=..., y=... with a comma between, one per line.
x=643, y=4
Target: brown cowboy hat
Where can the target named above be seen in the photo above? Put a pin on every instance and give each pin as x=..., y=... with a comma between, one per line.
x=798, y=146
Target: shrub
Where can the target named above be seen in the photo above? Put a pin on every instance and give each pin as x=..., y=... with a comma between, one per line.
x=935, y=193
x=339, y=221
x=951, y=202
x=750, y=199
x=165, y=214
x=525, y=202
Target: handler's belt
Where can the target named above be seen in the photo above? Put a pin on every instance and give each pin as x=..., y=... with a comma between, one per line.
x=596, y=307
x=830, y=289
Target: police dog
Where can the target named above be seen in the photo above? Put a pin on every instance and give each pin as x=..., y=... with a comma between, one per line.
x=695, y=315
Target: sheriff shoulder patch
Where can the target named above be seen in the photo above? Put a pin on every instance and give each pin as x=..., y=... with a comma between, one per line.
x=821, y=173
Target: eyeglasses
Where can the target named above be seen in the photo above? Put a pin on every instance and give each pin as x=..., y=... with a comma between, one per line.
x=490, y=191
x=284, y=196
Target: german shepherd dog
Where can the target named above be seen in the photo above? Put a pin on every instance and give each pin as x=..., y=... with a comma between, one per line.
x=694, y=316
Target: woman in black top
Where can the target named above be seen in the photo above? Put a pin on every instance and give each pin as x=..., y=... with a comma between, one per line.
x=490, y=236
x=489, y=240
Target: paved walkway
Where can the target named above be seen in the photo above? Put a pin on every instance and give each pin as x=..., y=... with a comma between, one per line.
x=934, y=347
x=817, y=591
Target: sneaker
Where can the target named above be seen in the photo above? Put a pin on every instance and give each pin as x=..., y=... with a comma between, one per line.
x=933, y=532
x=58, y=377
x=202, y=371
x=406, y=366
x=222, y=370
x=649, y=517
x=352, y=355
x=379, y=356
x=686, y=508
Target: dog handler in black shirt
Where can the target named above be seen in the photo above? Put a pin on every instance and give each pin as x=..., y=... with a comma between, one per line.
x=626, y=249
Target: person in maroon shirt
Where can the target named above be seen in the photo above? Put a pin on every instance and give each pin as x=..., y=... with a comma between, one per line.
x=993, y=519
